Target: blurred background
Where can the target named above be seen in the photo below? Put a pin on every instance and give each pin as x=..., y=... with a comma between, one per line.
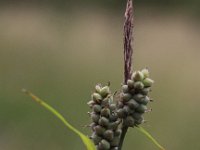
x=60, y=49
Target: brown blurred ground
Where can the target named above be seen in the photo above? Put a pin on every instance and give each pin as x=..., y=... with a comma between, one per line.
x=60, y=56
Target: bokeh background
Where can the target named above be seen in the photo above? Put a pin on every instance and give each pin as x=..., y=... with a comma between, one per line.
x=60, y=49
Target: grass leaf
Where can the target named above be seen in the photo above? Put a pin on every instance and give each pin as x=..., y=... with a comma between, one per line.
x=88, y=143
x=150, y=137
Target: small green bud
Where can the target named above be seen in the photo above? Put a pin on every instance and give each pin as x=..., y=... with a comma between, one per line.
x=148, y=82
x=132, y=104
x=97, y=139
x=126, y=97
x=132, y=91
x=97, y=108
x=103, y=121
x=105, y=102
x=141, y=109
x=138, y=97
x=91, y=103
x=105, y=91
x=96, y=97
x=133, y=76
x=113, y=125
x=109, y=135
x=138, y=76
x=113, y=107
x=121, y=113
x=145, y=91
x=92, y=125
x=126, y=109
x=115, y=141
x=145, y=72
x=95, y=117
x=105, y=112
x=145, y=100
x=125, y=88
x=113, y=117
x=137, y=116
x=139, y=121
x=104, y=145
x=139, y=85
x=129, y=121
x=130, y=84
x=99, y=130
x=118, y=132
x=98, y=88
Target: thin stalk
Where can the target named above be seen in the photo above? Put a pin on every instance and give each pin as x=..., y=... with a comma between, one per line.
x=128, y=52
x=128, y=40
x=88, y=143
x=124, y=131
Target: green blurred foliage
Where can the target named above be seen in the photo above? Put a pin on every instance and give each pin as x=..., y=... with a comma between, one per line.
x=191, y=5
x=60, y=56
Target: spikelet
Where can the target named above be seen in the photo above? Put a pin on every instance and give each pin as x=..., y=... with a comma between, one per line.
x=134, y=98
x=105, y=122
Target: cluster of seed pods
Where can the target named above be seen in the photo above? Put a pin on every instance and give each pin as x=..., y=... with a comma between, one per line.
x=134, y=98
x=105, y=122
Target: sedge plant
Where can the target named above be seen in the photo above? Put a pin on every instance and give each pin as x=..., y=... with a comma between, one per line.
x=113, y=114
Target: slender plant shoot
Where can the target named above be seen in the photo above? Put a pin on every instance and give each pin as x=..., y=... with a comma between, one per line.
x=88, y=143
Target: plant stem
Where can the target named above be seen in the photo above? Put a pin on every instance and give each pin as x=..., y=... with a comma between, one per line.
x=128, y=52
x=124, y=130
x=128, y=40
x=88, y=143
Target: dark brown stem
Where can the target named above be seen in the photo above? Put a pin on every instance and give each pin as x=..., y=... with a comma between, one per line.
x=124, y=130
x=128, y=39
x=128, y=52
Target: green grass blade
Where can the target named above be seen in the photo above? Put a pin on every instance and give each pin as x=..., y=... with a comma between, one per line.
x=88, y=143
x=150, y=137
